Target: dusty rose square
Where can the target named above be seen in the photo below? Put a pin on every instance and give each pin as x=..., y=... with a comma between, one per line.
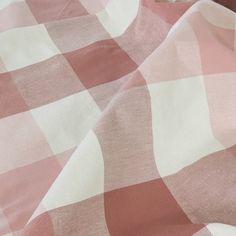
x=11, y=101
x=22, y=142
x=16, y=15
x=216, y=46
x=49, y=10
x=22, y=190
x=146, y=209
x=46, y=81
x=101, y=62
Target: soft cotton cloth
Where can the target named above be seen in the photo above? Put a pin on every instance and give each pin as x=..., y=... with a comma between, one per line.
x=117, y=117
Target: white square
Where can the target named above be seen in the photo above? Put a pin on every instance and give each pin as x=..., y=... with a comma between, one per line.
x=66, y=122
x=118, y=15
x=81, y=178
x=181, y=127
x=24, y=46
x=5, y=3
x=94, y=6
x=218, y=229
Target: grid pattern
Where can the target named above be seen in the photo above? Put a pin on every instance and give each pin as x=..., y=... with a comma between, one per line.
x=117, y=118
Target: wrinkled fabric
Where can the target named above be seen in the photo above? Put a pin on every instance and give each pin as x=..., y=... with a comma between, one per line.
x=117, y=118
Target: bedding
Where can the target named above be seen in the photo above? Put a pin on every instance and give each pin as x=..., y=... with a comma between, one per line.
x=117, y=118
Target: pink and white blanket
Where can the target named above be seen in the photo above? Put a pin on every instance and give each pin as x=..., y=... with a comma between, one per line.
x=117, y=118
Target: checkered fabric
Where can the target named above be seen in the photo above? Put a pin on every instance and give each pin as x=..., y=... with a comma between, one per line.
x=117, y=117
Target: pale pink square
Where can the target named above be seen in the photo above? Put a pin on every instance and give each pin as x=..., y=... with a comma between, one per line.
x=63, y=157
x=177, y=58
x=75, y=33
x=22, y=142
x=16, y=15
x=4, y=227
x=125, y=134
x=22, y=190
x=206, y=190
x=220, y=89
x=103, y=94
x=216, y=45
x=47, y=81
x=134, y=80
x=168, y=11
x=135, y=41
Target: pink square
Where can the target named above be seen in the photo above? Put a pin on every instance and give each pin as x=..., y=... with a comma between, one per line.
x=127, y=139
x=49, y=10
x=22, y=190
x=206, y=190
x=177, y=58
x=63, y=157
x=73, y=9
x=169, y=12
x=75, y=33
x=135, y=80
x=16, y=15
x=220, y=90
x=135, y=37
x=11, y=101
x=21, y=142
x=40, y=226
x=85, y=218
x=104, y=93
x=101, y=62
x=216, y=45
x=46, y=81
x=146, y=209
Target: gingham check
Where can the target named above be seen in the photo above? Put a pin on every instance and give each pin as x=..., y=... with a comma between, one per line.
x=117, y=117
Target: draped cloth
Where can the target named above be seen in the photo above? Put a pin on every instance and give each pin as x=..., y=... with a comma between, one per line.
x=117, y=117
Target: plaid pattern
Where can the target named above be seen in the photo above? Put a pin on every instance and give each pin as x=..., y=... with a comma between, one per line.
x=117, y=118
